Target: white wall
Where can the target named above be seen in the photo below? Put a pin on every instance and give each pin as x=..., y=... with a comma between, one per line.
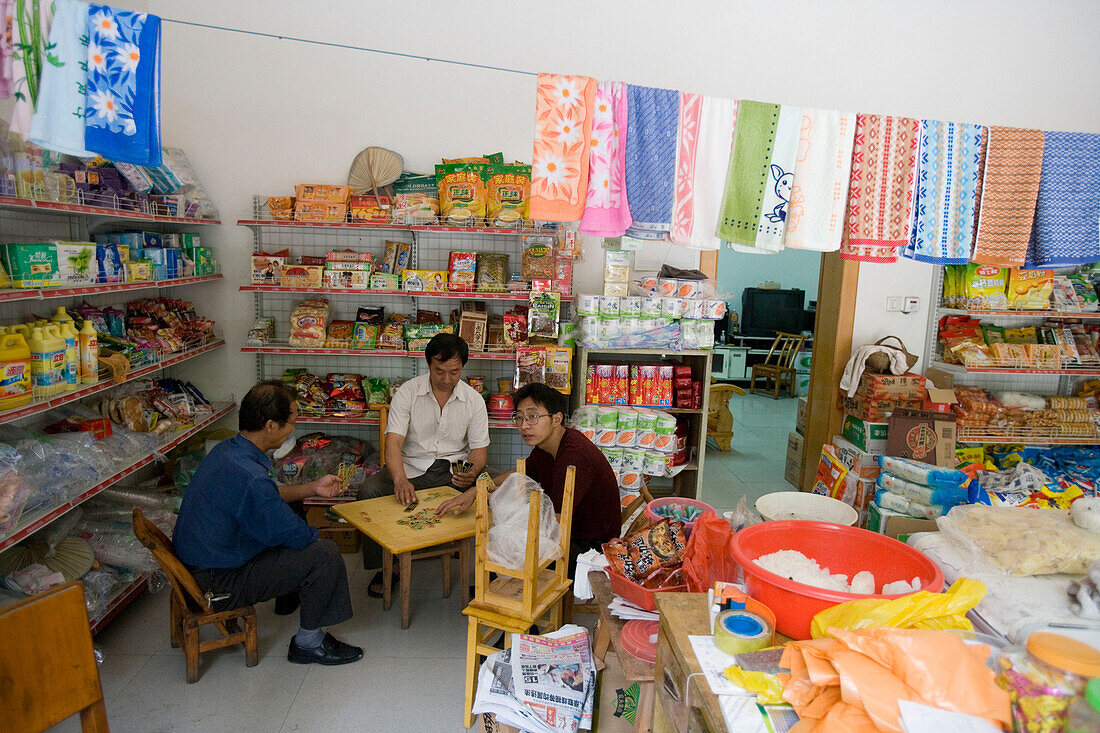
x=258, y=114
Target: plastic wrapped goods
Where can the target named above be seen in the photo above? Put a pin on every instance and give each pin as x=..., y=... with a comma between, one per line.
x=508, y=533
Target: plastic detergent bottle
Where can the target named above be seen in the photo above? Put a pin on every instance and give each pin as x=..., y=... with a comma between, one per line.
x=88, y=346
x=61, y=316
x=44, y=350
x=72, y=357
x=15, y=371
x=59, y=349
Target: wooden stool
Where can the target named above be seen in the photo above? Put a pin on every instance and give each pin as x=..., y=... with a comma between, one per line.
x=719, y=417
x=189, y=608
x=519, y=597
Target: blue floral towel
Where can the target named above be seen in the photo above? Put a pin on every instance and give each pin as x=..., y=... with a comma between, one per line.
x=123, y=101
x=1067, y=211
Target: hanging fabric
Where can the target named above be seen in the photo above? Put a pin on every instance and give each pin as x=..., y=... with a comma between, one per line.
x=880, y=195
x=949, y=155
x=58, y=122
x=819, y=192
x=30, y=29
x=559, y=163
x=607, y=212
x=1013, y=166
x=753, y=213
x=1066, y=230
x=7, y=50
x=651, y=159
x=123, y=100
x=695, y=213
x=687, y=144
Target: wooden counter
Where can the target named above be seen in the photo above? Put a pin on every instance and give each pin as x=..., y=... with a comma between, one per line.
x=683, y=704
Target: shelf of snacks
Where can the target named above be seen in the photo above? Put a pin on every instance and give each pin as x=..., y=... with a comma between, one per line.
x=120, y=600
x=106, y=380
x=989, y=313
x=1019, y=367
x=100, y=209
x=519, y=297
x=526, y=227
x=100, y=289
x=1009, y=416
x=28, y=525
x=286, y=349
x=353, y=420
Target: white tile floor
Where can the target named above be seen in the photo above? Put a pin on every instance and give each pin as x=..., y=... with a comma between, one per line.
x=409, y=680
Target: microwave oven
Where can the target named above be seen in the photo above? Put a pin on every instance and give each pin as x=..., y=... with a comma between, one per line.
x=728, y=362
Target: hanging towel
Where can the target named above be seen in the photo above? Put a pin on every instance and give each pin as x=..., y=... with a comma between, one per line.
x=1066, y=230
x=753, y=213
x=29, y=32
x=696, y=217
x=819, y=193
x=559, y=163
x=683, y=189
x=880, y=196
x=1013, y=165
x=58, y=122
x=123, y=102
x=651, y=159
x=7, y=10
x=949, y=154
x=606, y=212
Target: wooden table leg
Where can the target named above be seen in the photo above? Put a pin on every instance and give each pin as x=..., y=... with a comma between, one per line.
x=602, y=642
x=405, y=558
x=464, y=569
x=643, y=718
x=387, y=579
x=445, y=559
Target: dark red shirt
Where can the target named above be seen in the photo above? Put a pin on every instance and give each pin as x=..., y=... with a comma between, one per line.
x=596, y=513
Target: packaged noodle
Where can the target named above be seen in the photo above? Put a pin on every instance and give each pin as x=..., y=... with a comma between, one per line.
x=462, y=196
x=508, y=188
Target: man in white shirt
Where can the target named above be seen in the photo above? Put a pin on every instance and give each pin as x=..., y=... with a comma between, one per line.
x=435, y=421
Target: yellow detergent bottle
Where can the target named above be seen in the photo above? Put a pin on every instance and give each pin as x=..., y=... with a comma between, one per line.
x=15, y=371
x=43, y=353
x=88, y=346
x=72, y=356
x=61, y=316
x=52, y=334
x=22, y=329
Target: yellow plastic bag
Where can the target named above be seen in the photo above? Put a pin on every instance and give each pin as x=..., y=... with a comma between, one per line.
x=920, y=610
x=768, y=688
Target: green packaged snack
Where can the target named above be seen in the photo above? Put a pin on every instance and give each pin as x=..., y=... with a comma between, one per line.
x=542, y=317
x=415, y=200
x=993, y=334
x=378, y=390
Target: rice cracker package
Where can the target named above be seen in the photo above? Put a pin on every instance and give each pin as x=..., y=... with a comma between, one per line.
x=508, y=188
x=462, y=196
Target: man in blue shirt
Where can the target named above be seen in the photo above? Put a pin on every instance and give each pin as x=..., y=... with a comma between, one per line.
x=244, y=544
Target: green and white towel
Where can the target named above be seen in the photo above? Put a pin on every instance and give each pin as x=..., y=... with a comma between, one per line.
x=753, y=217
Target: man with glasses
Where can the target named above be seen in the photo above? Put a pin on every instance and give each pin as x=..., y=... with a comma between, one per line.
x=540, y=417
x=435, y=420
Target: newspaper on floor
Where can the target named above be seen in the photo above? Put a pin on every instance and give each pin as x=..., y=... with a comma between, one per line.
x=624, y=609
x=548, y=700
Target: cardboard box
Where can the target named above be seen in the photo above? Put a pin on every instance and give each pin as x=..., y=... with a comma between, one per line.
x=76, y=263
x=896, y=525
x=873, y=410
x=793, y=473
x=903, y=386
x=800, y=417
x=322, y=192
x=473, y=326
x=347, y=279
x=267, y=269
x=865, y=435
x=939, y=400
x=303, y=276
x=432, y=281
x=922, y=436
x=859, y=493
x=345, y=536
x=385, y=281
x=320, y=211
x=860, y=463
x=32, y=265
x=794, y=447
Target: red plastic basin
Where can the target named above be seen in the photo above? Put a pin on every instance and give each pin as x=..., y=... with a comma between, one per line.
x=841, y=549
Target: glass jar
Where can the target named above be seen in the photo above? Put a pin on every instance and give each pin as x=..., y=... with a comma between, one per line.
x=1045, y=678
x=1084, y=713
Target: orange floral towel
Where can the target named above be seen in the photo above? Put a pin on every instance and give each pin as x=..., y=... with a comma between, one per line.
x=853, y=681
x=559, y=165
x=1013, y=164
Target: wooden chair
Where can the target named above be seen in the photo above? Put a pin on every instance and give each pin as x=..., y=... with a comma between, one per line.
x=383, y=420
x=519, y=597
x=47, y=668
x=719, y=417
x=777, y=369
x=190, y=609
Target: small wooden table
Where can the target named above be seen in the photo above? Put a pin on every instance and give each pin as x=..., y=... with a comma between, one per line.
x=414, y=535
x=610, y=633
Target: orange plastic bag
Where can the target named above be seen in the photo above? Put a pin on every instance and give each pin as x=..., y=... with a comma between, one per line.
x=853, y=681
x=709, y=553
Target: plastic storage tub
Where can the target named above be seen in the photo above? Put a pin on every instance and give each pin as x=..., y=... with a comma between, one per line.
x=639, y=595
x=841, y=549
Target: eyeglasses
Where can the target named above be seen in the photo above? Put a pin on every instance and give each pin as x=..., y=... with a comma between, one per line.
x=528, y=419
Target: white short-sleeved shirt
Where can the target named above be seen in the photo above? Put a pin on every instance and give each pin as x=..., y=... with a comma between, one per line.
x=430, y=433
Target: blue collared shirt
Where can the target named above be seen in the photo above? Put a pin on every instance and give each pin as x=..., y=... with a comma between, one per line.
x=232, y=510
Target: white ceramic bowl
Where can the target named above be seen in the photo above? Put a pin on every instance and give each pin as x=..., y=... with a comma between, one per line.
x=782, y=505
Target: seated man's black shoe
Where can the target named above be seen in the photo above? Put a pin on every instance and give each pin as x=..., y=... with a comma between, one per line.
x=286, y=605
x=331, y=652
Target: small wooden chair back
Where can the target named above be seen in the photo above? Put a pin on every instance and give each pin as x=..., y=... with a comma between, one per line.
x=785, y=349
x=185, y=590
x=383, y=419
x=529, y=573
x=48, y=669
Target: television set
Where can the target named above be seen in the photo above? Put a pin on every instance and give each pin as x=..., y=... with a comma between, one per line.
x=763, y=312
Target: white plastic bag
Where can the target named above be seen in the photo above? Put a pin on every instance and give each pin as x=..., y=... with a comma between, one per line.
x=508, y=531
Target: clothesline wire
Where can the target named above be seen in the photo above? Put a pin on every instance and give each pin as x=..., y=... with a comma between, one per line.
x=348, y=46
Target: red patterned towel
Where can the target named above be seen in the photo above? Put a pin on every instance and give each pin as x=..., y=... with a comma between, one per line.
x=880, y=195
x=1013, y=165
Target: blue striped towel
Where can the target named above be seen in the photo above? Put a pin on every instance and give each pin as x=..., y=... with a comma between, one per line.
x=1067, y=211
x=653, y=116
x=943, y=207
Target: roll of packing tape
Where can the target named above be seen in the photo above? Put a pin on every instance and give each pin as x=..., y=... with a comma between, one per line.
x=737, y=632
